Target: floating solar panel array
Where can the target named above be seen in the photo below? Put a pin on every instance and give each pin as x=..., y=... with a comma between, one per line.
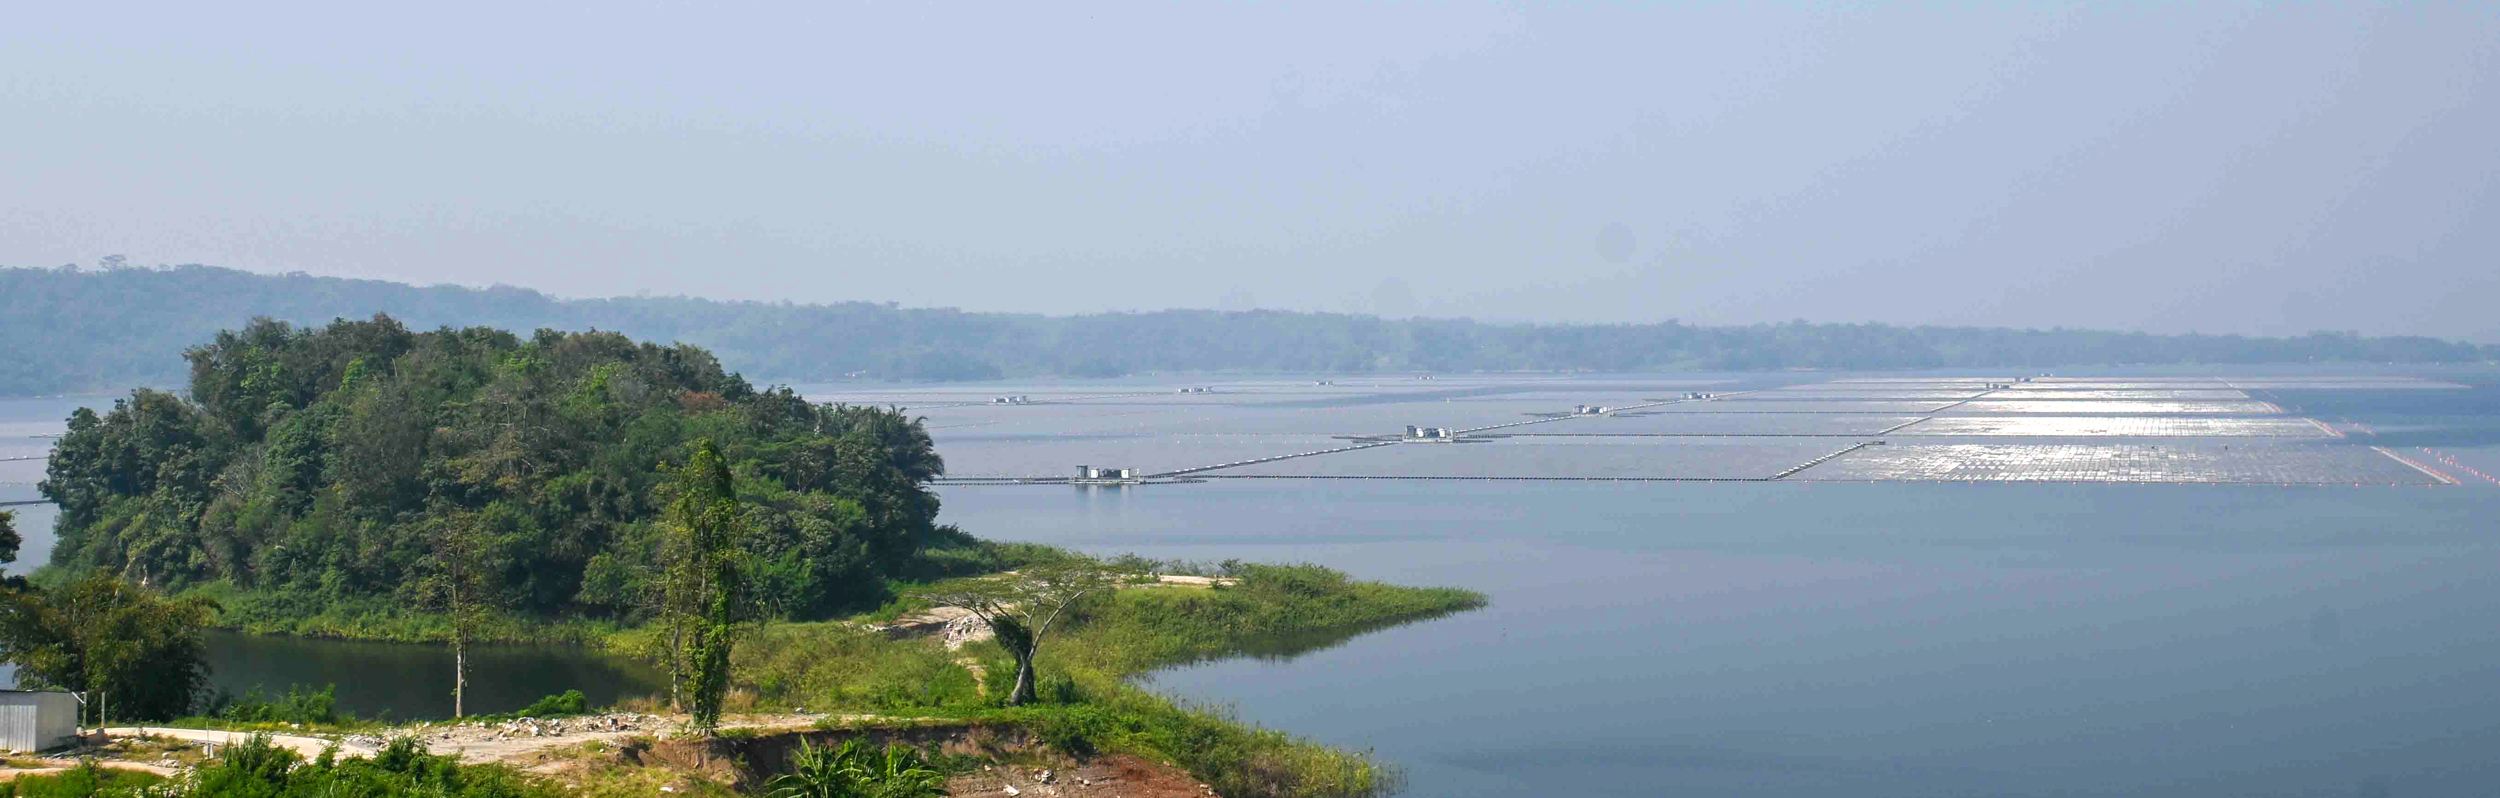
x=1964, y=428
x=1991, y=404
x=2120, y=427
x=1566, y=458
x=2013, y=462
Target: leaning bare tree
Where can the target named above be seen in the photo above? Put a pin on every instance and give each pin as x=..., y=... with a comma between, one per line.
x=1025, y=605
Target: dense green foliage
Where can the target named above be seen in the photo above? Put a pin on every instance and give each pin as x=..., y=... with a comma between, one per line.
x=312, y=470
x=570, y=702
x=139, y=655
x=258, y=768
x=708, y=568
x=111, y=328
x=10, y=541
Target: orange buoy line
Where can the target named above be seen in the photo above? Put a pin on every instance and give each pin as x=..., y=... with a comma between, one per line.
x=2434, y=473
x=2451, y=462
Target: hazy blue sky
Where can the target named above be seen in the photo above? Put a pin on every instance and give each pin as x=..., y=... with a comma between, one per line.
x=2164, y=166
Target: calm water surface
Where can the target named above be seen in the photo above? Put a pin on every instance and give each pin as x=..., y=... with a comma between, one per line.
x=1864, y=639
x=1804, y=639
x=411, y=681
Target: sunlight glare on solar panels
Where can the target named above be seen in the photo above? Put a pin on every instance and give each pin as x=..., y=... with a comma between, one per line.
x=2083, y=406
x=2180, y=463
x=2118, y=426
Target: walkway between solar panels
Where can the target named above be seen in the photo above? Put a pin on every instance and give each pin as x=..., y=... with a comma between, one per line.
x=1201, y=471
x=1377, y=444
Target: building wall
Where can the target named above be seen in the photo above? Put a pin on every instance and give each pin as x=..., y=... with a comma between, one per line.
x=37, y=720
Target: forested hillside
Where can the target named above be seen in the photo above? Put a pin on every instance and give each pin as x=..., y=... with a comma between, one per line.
x=112, y=328
x=310, y=469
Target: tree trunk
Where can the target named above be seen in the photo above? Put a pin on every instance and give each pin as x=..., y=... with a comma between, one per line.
x=459, y=677
x=1024, y=681
x=676, y=665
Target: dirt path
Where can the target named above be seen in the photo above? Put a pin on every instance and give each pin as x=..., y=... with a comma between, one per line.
x=308, y=746
x=516, y=740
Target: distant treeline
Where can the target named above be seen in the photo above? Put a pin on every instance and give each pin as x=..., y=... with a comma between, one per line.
x=114, y=327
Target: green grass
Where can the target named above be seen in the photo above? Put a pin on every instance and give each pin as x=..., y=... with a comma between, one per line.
x=1088, y=702
x=83, y=781
x=837, y=666
x=1089, y=705
x=1272, y=610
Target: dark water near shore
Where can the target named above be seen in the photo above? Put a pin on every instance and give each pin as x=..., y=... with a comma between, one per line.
x=409, y=681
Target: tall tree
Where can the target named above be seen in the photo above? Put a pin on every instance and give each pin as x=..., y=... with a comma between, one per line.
x=140, y=655
x=460, y=581
x=709, y=579
x=1025, y=605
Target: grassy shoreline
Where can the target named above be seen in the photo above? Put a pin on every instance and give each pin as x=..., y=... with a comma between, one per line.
x=1090, y=700
x=380, y=620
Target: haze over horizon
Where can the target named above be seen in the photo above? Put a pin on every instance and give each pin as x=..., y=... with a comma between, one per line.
x=2211, y=168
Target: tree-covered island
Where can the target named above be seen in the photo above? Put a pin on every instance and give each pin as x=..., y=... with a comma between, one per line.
x=473, y=485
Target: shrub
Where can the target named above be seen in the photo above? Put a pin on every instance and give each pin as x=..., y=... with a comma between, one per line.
x=853, y=771
x=572, y=702
x=298, y=705
x=83, y=781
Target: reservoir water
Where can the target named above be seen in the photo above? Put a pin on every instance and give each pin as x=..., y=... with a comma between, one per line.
x=1864, y=639
x=1906, y=638
x=1861, y=639
x=407, y=681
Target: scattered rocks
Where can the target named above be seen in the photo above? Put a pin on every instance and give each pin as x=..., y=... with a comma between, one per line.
x=965, y=628
x=954, y=625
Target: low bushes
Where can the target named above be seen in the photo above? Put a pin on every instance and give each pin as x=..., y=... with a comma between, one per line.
x=297, y=705
x=83, y=781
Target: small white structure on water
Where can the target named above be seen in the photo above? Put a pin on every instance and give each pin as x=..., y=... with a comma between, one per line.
x=1590, y=410
x=1011, y=400
x=1415, y=434
x=1093, y=474
x=37, y=720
